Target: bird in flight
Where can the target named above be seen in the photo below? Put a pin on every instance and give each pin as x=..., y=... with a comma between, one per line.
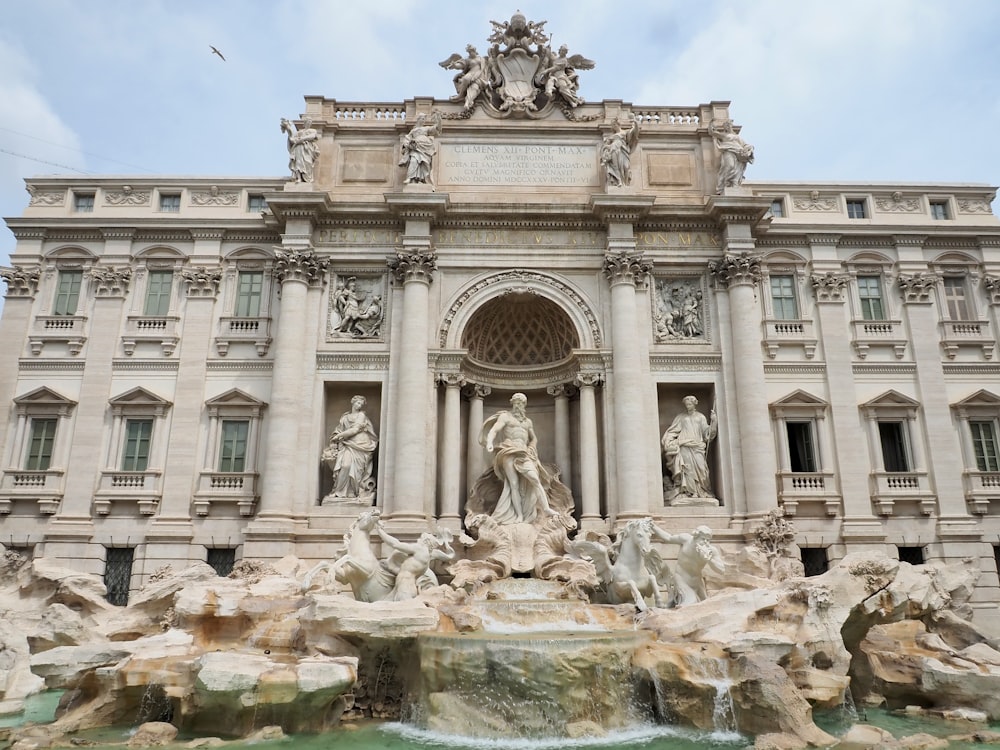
x=216, y=52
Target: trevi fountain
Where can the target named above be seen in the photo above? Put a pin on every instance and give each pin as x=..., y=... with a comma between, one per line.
x=520, y=628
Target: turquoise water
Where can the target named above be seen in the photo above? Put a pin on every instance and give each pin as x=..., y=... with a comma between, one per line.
x=38, y=709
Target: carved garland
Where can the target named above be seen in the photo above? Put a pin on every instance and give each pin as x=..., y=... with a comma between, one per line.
x=524, y=277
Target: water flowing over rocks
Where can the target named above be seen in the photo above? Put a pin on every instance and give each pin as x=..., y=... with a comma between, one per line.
x=227, y=656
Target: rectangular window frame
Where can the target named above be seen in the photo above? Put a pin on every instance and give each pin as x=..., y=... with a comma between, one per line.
x=249, y=294
x=159, y=291
x=803, y=448
x=67, y=297
x=137, y=443
x=940, y=210
x=170, y=203
x=41, y=443
x=234, y=441
x=959, y=306
x=778, y=208
x=784, y=297
x=870, y=297
x=897, y=457
x=857, y=208
x=985, y=444
x=83, y=203
x=256, y=203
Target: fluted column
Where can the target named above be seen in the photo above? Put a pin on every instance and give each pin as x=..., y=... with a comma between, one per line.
x=450, y=454
x=294, y=270
x=625, y=268
x=740, y=274
x=564, y=461
x=475, y=463
x=414, y=269
x=590, y=476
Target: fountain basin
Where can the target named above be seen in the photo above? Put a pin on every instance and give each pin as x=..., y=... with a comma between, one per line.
x=527, y=685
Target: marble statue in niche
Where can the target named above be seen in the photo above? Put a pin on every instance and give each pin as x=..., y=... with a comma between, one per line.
x=303, y=149
x=734, y=154
x=350, y=456
x=417, y=149
x=356, y=309
x=685, y=449
x=679, y=313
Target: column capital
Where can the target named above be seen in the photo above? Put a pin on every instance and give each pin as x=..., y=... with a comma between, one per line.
x=21, y=281
x=624, y=267
x=917, y=287
x=299, y=265
x=450, y=379
x=736, y=270
x=413, y=265
x=990, y=283
x=110, y=281
x=829, y=287
x=588, y=379
x=561, y=390
x=477, y=390
x=202, y=281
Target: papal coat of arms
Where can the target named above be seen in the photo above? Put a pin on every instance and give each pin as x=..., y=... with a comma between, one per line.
x=520, y=74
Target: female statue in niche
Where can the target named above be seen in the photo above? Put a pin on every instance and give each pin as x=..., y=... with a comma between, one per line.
x=685, y=447
x=350, y=455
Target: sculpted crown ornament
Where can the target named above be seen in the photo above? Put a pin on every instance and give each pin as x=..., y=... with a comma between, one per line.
x=520, y=74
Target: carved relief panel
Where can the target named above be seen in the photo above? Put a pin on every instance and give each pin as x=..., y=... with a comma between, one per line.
x=356, y=308
x=679, y=314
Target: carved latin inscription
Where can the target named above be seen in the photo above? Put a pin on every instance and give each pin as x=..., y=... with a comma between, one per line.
x=518, y=164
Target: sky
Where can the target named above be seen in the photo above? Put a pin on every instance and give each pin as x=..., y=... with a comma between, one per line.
x=852, y=90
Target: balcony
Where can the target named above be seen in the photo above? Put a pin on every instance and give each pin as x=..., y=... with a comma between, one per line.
x=160, y=330
x=794, y=333
x=968, y=333
x=226, y=488
x=902, y=488
x=813, y=489
x=44, y=487
x=141, y=488
x=878, y=333
x=981, y=487
x=66, y=329
x=256, y=331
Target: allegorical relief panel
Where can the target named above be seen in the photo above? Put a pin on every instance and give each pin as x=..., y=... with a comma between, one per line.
x=679, y=311
x=356, y=308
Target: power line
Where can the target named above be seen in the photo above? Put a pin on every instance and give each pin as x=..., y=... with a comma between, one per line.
x=71, y=148
x=43, y=161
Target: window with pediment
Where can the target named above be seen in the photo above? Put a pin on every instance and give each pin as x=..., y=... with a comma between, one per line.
x=802, y=434
x=136, y=453
x=875, y=320
x=978, y=419
x=247, y=287
x=229, y=475
x=39, y=450
x=964, y=323
x=787, y=318
x=899, y=473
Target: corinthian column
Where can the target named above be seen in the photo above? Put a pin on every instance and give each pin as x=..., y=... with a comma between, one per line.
x=625, y=268
x=451, y=451
x=414, y=269
x=560, y=394
x=294, y=270
x=590, y=472
x=740, y=274
x=475, y=464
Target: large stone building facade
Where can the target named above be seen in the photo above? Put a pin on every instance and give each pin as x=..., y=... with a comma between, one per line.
x=176, y=352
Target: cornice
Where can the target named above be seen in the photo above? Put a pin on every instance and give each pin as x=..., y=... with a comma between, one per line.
x=884, y=368
x=794, y=368
x=352, y=361
x=626, y=209
x=674, y=362
x=240, y=365
x=50, y=365
x=145, y=365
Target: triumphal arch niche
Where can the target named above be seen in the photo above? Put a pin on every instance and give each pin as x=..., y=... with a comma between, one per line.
x=514, y=255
